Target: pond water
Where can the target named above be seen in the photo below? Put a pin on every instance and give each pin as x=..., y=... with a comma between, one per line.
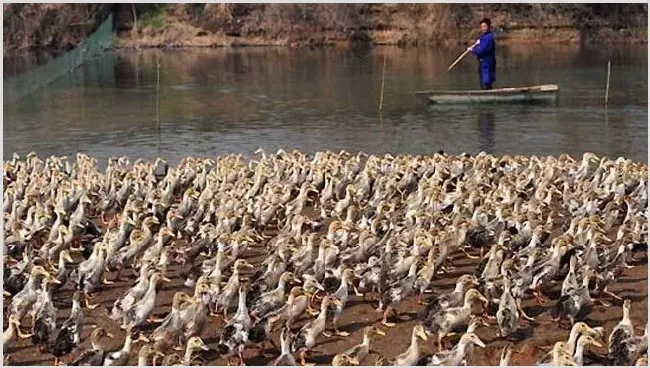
x=214, y=101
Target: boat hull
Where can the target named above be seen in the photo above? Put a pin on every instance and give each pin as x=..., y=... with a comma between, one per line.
x=537, y=94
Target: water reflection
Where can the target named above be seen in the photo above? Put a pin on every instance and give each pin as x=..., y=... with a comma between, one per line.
x=486, y=129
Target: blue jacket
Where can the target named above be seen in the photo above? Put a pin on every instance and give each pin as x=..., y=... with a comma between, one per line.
x=485, y=51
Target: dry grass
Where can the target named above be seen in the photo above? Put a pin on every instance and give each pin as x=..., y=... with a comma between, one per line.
x=48, y=25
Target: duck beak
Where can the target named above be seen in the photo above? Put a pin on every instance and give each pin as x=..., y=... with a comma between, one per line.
x=423, y=336
x=68, y=258
x=203, y=347
x=164, y=278
x=479, y=342
x=108, y=334
x=380, y=332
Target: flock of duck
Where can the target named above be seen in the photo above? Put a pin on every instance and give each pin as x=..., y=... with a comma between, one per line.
x=283, y=242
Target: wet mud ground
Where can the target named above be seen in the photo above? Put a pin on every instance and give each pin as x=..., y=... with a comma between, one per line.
x=532, y=341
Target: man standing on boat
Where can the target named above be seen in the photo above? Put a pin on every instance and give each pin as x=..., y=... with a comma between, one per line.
x=485, y=51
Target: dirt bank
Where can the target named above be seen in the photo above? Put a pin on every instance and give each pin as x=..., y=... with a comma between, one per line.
x=59, y=27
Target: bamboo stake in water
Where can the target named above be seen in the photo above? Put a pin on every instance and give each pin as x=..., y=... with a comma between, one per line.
x=381, y=97
x=158, y=101
x=609, y=69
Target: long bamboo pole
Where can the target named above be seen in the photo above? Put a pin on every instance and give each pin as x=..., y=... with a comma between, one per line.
x=383, y=78
x=609, y=70
x=461, y=57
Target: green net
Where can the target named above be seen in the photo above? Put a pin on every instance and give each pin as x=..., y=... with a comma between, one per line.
x=17, y=87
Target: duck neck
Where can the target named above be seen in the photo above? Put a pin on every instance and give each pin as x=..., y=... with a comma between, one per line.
x=577, y=356
x=76, y=307
x=414, y=342
x=61, y=263
x=626, y=315
x=241, y=306
x=460, y=287
x=573, y=338
x=281, y=286
x=366, y=339
x=188, y=354
x=127, y=343
x=285, y=346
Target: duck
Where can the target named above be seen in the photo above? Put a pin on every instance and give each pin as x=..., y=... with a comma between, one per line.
x=13, y=330
x=123, y=304
x=285, y=358
x=25, y=299
x=44, y=316
x=142, y=309
x=146, y=353
x=172, y=323
x=193, y=345
x=271, y=300
x=412, y=355
x=425, y=275
x=342, y=295
x=570, y=346
x=89, y=272
x=358, y=353
x=235, y=335
x=630, y=349
x=397, y=292
x=229, y=291
x=305, y=339
x=195, y=317
x=95, y=355
x=507, y=314
x=570, y=282
x=451, y=300
x=260, y=332
x=69, y=336
x=584, y=341
x=121, y=357
x=297, y=303
x=623, y=330
x=445, y=321
x=458, y=355
x=560, y=356
x=571, y=305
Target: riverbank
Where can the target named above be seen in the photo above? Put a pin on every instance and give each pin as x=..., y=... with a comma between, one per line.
x=60, y=27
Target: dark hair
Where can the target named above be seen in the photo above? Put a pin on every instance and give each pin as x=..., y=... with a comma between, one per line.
x=486, y=21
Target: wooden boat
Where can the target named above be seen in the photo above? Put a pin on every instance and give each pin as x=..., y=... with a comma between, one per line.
x=542, y=93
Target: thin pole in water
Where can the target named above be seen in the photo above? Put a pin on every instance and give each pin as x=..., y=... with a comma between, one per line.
x=609, y=70
x=383, y=78
x=158, y=101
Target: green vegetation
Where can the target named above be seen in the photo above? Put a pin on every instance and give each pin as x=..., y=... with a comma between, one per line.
x=153, y=15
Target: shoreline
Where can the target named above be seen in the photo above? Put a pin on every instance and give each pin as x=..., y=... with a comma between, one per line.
x=523, y=36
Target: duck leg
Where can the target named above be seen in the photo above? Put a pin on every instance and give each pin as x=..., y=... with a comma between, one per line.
x=468, y=255
x=604, y=303
x=440, y=337
x=340, y=333
x=356, y=291
x=384, y=321
x=612, y=294
x=523, y=314
x=88, y=301
x=303, y=362
x=541, y=299
x=241, y=359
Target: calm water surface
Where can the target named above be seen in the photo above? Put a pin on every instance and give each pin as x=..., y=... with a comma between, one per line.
x=218, y=101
